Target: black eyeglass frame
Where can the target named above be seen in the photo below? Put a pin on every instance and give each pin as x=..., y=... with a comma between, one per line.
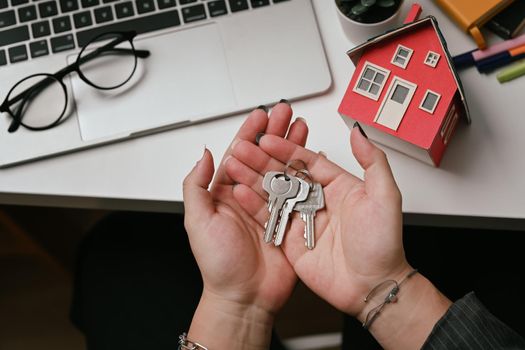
x=58, y=77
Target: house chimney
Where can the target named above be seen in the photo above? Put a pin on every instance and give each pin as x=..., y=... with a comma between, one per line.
x=413, y=14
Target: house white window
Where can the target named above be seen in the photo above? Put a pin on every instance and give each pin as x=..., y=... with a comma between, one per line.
x=448, y=119
x=402, y=56
x=430, y=101
x=432, y=59
x=371, y=81
x=451, y=128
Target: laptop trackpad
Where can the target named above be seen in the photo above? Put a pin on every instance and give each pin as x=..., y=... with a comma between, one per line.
x=179, y=81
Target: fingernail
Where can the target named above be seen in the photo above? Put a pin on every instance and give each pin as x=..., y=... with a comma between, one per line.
x=263, y=107
x=301, y=119
x=321, y=153
x=258, y=137
x=226, y=159
x=234, y=143
x=283, y=100
x=360, y=129
x=203, y=153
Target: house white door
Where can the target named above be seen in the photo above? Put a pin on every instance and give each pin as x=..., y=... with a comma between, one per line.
x=395, y=103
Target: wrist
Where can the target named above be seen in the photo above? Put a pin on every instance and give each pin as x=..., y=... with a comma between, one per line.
x=379, y=295
x=222, y=324
x=406, y=323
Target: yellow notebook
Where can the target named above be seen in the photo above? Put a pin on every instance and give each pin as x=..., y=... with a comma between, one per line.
x=473, y=14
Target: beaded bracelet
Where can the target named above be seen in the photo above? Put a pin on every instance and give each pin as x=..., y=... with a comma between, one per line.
x=186, y=344
x=390, y=298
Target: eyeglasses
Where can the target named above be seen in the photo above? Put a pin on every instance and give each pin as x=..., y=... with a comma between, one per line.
x=39, y=102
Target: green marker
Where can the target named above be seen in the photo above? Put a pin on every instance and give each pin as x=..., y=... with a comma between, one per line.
x=512, y=72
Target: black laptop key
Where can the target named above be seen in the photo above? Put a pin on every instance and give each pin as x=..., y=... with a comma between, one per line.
x=3, y=58
x=184, y=2
x=3, y=5
x=27, y=13
x=38, y=48
x=90, y=3
x=82, y=19
x=68, y=5
x=164, y=4
x=217, y=8
x=62, y=43
x=18, y=2
x=103, y=14
x=61, y=24
x=17, y=54
x=259, y=3
x=40, y=29
x=14, y=35
x=144, y=6
x=238, y=5
x=48, y=9
x=7, y=18
x=108, y=1
x=124, y=9
x=141, y=25
x=193, y=13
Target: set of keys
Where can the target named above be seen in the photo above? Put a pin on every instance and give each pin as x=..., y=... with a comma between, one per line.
x=287, y=193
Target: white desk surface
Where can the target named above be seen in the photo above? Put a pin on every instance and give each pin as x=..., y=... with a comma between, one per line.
x=481, y=174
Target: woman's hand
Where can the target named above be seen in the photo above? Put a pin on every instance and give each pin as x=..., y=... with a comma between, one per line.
x=243, y=279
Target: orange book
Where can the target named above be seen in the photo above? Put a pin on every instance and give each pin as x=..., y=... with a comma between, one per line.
x=471, y=15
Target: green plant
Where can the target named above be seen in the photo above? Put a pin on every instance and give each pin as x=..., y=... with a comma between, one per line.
x=368, y=11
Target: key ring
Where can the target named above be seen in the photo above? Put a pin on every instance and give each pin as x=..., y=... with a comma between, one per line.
x=304, y=174
x=290, y=165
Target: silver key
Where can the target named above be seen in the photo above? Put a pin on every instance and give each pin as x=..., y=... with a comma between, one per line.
x=280, y=187
x=308, y=208
x=287, y=210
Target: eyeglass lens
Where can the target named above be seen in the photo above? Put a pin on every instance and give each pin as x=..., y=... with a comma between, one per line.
x=44, y=101
x=111, y=67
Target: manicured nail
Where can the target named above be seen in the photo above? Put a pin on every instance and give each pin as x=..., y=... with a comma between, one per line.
x=301, y=119
x=263, y=107
x=226, y=159
x=360, y=129
x=285, y=101
x=202, y=157
x=234, y=143
x=258, y=137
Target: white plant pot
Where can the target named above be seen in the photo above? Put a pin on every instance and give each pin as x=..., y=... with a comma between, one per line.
x=358, y=32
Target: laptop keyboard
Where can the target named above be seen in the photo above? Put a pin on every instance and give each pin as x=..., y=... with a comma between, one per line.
x=37, y=28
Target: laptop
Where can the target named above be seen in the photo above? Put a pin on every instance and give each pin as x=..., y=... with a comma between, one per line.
x=208, y=59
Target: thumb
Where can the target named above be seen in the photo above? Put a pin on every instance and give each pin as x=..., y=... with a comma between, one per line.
x=197, y=199
x=379, y=181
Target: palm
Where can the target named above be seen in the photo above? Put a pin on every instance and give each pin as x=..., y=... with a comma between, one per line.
x=240, y=261
x=346, y=237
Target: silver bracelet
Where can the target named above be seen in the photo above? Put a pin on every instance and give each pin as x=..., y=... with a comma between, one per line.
x=185, y=343
x=390, y=298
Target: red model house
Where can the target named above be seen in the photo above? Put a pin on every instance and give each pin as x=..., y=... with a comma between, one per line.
x=405, y=92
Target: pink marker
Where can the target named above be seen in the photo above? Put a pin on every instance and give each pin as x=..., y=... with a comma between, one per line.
x=498, y=48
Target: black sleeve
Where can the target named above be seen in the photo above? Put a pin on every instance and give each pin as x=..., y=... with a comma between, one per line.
x=469, y=325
